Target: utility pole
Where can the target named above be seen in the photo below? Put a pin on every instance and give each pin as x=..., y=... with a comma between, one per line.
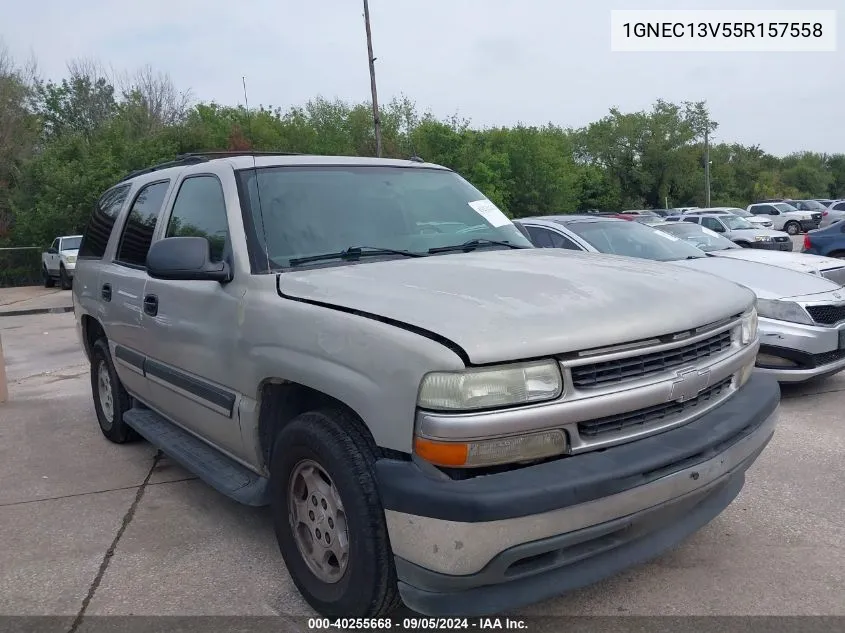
x=707, y=166
x=376, y=120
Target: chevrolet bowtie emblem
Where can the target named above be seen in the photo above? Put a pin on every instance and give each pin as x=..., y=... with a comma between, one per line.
x=689, y=383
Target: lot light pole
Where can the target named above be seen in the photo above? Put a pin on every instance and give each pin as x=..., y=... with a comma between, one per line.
x=707, y=166
x=376, y=121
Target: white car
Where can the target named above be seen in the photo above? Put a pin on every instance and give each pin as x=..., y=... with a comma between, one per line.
x=761, y=221
x=785, y=217
x=714, y=244
x=59, y=261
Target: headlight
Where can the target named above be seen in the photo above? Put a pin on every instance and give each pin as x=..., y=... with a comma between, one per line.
x=484, y=388
x=749, y=326
x=783, y=311
x=762, y=238
x=71, y=259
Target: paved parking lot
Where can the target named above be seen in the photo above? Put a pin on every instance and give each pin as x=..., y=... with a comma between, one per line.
x=119, y=530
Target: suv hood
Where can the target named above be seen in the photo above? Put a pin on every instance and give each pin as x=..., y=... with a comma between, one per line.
x=801, y=262
x=70, y=252
x=767, y=282
x=502, y=305
x=799, y=215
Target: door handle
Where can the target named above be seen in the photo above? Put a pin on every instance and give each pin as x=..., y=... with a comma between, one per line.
x=151, y=305
x=105, y=292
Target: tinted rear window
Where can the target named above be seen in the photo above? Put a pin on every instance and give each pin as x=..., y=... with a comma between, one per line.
x=102, y=221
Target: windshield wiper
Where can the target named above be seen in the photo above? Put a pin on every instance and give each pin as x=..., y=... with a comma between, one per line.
x=353, y=253
x=471, y=245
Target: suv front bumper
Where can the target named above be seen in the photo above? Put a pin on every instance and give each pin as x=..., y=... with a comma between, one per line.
x=809, y=225
x=498, y=542
x=805, y=351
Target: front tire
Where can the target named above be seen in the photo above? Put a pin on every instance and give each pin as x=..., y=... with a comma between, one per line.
x=328, y=516
x=793, y=228
x=64, y=279
x=49, y=282
x=110, y=398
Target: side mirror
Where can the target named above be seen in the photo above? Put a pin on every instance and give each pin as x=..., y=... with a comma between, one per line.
x=52, y=251
x=185, y=258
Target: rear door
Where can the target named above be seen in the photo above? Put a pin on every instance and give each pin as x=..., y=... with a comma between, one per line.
x=127, y=278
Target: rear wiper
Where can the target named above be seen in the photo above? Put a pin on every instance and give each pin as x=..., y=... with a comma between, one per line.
x=471, y=245
x=353, y=253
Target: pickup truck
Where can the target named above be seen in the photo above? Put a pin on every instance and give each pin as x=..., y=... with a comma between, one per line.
x=436, y=412
x=59, y=261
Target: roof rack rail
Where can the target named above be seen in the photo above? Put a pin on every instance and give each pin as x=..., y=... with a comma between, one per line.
x=179, y=161
x=416, y=159
x=247, y=152
x=192, y=158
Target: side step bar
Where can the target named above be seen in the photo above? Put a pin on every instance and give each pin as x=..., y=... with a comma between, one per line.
x=213, y=467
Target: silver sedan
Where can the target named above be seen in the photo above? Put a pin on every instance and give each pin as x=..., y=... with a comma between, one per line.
x=802, y=316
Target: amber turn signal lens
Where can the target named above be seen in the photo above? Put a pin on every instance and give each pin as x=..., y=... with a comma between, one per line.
x=441, y=453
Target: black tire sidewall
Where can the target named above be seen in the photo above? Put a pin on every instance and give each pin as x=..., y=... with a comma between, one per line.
x=114, y=429
x=314, y=439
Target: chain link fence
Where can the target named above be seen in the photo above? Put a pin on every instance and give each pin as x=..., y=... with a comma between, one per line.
x=20, y=266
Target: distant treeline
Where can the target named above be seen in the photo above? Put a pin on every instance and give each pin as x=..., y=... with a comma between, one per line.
x=62, y=143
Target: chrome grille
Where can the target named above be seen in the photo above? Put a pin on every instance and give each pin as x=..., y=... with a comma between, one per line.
x=612, y=371
x=827, y=315
x=644, y=417
x=836, y=275
x=817, y=217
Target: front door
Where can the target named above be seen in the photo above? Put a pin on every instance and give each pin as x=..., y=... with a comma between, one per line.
x=192, y=326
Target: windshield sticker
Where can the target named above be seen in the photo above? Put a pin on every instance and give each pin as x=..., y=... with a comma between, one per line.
x=490, y=212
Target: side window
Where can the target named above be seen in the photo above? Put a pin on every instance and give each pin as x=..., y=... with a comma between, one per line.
x=771, y=210
x=713, y=224
x=55, y=245
x=102, y=221
x=540, y=237
x=561, y=241
x=200, y=211
x=839, y=206
x=689, y=219
x=140, y=224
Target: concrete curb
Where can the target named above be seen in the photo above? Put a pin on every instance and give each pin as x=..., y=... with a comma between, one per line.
x=37, y=311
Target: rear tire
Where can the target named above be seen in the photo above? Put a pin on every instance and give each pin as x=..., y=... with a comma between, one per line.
x=110, y=398
x=793, y=228
x=65, y=280
x=49, y=282
x=334, y=540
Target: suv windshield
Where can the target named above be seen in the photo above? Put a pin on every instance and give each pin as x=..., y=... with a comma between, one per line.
x=735, y=223
x=71, y=243
x=742, y=213
x=312, y=211
x=813, y=205
x=633, y=239
x=783, y=207
x=699, y=236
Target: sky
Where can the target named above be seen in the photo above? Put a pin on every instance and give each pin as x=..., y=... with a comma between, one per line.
x=495, y=62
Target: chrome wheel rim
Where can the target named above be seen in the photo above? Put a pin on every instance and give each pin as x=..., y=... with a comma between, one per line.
x=104, y=391
x=318, y=521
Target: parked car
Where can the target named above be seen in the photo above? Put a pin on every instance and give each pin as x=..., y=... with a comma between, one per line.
x=829, y=241
x=715, y=244
x=758, y=220
x=787, y=218
x=647, y=212
x=825, y=201
x=458, y=419
x=802, y=317
x=59, y=261
x=834, y=212
x=742, y=232
x=813, y=206
x=649, y=219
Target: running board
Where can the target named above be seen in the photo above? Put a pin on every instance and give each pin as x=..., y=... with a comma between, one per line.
x=213, y=467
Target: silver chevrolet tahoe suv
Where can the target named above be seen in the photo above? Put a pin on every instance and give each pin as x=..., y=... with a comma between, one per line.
x=435, y=411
